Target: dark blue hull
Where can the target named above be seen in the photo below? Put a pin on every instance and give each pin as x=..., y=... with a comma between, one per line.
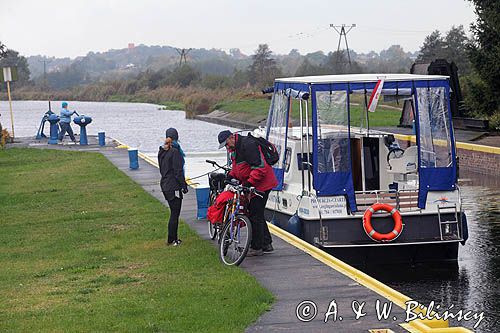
x=345, y=238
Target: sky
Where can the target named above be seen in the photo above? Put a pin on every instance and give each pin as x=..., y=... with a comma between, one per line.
x=74, y=28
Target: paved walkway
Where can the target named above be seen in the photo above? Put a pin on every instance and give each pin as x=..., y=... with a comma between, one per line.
x=289, y=273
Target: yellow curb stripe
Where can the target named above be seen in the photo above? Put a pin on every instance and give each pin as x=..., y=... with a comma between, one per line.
x=474, y=147
x=431, y=326
x=460, y=145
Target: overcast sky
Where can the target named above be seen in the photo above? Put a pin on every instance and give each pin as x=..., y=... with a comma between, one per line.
x=73, y=28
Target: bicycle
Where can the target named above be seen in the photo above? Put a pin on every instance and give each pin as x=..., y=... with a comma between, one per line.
x=236, y=235
x=216, y=183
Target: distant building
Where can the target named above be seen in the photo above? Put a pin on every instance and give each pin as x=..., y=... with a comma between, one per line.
x=131, y=46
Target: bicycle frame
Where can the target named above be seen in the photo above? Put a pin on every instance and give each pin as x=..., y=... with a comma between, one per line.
x=233, y=212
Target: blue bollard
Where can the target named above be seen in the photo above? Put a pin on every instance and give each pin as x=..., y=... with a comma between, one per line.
x=83, y=136
x=133, y=158
x=83, y=121
x=202, y=196
x=102, y=139
x=54, y=129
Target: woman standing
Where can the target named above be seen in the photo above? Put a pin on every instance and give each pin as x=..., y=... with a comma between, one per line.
x=173, y=183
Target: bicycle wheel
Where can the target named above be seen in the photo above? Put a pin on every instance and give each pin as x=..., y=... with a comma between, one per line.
x=235, y=240
x=212, y=230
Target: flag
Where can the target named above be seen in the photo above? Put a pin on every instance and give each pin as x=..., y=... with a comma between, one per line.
x=372, y=105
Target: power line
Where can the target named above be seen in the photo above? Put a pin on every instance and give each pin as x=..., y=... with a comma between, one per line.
x=183, y=53
x=341, y=30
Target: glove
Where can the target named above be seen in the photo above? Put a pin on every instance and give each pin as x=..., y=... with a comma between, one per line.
x=185, y=190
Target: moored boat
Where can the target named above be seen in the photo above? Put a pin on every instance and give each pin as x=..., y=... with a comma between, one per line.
x=367, y=196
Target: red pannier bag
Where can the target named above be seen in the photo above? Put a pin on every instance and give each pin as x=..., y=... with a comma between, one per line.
x=215, y=213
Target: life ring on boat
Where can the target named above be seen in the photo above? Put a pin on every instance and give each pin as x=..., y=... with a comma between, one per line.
x=376, y=236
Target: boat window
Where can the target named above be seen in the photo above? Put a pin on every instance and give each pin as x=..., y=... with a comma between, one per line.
x=288, y=154
x=435, y=142
x=277, y=124
x=333, y=132
x=301, y=165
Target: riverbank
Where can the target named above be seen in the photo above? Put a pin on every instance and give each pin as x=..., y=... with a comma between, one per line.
x=194, y=100
x=81, y=240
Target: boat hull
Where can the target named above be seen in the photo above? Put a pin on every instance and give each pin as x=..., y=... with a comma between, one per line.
x=419, y=242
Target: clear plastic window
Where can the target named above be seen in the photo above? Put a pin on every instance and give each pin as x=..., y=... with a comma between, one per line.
x=277, y=124
x=333, y=132
x=435, y=141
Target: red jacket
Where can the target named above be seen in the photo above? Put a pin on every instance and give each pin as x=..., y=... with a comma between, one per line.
x=250, y=166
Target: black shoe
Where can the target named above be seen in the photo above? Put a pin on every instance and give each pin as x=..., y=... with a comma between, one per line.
x=176, y=242
x=255, y=253
x=268, y=248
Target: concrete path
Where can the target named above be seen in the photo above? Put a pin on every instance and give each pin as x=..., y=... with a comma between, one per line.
x=289, y=273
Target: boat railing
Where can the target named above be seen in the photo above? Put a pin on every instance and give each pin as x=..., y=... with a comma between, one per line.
x=403, y=200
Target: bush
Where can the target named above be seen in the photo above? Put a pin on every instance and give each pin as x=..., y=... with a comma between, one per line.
x=199, y=103
x=495, y=122
x=479, y=98
x=216, y=82
x=5, y=136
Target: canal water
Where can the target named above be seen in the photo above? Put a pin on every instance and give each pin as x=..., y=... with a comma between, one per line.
x=472, y=284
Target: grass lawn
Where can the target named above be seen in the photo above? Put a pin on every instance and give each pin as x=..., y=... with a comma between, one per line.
x=82, y=250
x=383, y=117
x=254, y=106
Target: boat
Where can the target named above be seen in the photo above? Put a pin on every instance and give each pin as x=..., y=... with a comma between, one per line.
x=365, y=195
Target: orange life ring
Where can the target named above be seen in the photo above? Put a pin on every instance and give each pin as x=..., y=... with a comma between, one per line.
x=376, y=236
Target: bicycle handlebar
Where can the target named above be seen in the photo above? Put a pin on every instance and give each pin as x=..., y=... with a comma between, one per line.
x=214, y=164
x=243, y=188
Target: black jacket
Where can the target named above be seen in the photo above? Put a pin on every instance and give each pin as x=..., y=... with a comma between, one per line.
x=249, y=165
x=171, y=170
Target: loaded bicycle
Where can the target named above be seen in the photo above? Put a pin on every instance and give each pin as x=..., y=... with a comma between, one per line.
x=236, y=234
x=234, y=231
x=216, y=183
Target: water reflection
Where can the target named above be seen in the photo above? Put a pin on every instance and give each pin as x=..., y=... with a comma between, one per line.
x=472, y=283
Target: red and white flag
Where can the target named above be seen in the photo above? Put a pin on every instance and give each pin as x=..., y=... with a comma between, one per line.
x=372, y=105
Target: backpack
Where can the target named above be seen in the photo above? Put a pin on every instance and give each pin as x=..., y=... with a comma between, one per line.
x=269, y=150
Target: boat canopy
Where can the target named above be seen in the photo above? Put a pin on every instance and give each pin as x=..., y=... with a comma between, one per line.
x=331, y=129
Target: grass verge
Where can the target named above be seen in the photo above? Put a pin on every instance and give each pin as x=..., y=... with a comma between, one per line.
x=82, y=249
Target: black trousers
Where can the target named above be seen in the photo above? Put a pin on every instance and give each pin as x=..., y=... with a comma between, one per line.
x=175, y=205
x=66, y=127
x=260, y=232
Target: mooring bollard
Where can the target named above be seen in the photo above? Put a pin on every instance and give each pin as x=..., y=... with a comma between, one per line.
x=83, y=121
x=102, y=139
x=54, y=128
x=133, y=158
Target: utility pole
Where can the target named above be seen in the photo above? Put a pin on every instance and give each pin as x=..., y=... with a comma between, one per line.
x=183, y=53
x=45, y=61
x=10, y=74
x=343, y=30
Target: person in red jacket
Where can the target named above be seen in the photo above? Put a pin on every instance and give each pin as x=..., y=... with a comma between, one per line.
x=250, y=167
